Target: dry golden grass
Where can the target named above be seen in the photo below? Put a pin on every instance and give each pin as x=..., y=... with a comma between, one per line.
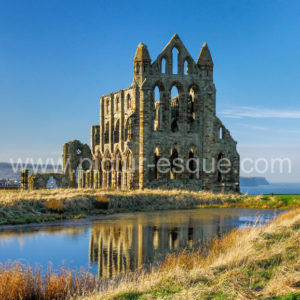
x=256, y=263
x=19, y=282
x=19, y=207
x=11, y=197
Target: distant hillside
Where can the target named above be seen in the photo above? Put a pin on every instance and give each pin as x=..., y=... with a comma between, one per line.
x=12, y=171
x=253, y=181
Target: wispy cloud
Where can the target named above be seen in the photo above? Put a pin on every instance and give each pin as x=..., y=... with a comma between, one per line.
x=240, y=112
x=255, y=127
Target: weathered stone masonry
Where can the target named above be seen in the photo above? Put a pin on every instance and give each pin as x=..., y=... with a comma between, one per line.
x=136, y=128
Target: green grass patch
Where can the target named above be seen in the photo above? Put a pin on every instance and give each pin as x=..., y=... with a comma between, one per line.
x=166, y=288
x=260, y=272
x=216, y=296
x=270, y=262
x=296, y=226
x=130, y=296
x=273, y=238
x=291, y=296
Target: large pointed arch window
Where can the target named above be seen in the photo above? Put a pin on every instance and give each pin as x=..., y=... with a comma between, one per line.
x=175, y=55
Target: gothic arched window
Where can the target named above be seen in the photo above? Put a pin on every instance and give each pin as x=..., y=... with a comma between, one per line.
x=117, y=132
x=106, y=133
x=174, y=109
x=163, y=66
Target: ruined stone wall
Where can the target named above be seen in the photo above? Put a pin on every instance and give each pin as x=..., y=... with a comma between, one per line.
x=134, y=126
x=77, y=156
x=38, y=181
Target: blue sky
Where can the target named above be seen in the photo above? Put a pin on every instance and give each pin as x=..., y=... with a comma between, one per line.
x=58, y=57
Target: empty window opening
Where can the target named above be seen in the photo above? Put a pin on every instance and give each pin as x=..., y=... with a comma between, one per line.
x=156, y=159
x=107, y=106
x=163, y=66
x=173, y=162
x=51, y=184
x=128, y=101
x=175, y=60
x=185, y=68
x=106, y=133
x=192, y=164
x=119, y=171
x=174, y=109
x=117, y=104
x=117, y=132
x=128, y=130
x=127, y=169
x=191, y=116
x=156, y=109
x=221, y=133
x=107, y=172
x=174, y=92
x=78, y=170
x=137, y=68
x=156, y=94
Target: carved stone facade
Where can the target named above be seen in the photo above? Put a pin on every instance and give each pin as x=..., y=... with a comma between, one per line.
x=138, y=127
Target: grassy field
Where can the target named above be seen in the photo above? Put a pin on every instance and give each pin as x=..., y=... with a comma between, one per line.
x=253, y=263
x=49, y=205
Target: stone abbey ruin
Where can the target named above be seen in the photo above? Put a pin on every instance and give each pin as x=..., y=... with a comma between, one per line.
x=166, y=116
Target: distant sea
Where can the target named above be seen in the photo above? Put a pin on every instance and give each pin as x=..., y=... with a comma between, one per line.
x=275, y=188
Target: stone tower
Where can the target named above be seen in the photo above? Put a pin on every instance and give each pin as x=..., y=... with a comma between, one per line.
x=139, y=127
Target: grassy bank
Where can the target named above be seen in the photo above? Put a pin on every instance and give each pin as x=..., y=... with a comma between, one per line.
x=262, y=201
x=49, y=205
x=257, y=263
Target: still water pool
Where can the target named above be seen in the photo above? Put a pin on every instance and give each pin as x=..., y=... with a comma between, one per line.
x=121, y=243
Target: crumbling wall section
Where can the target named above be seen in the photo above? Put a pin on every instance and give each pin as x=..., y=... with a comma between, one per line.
x=76, y=155
x=38, y=181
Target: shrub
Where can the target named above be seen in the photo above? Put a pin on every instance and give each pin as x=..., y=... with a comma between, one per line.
x=101, y=202
x=55, y=205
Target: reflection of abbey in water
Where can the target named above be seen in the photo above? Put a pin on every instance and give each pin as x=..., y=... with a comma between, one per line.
x=120, y=248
